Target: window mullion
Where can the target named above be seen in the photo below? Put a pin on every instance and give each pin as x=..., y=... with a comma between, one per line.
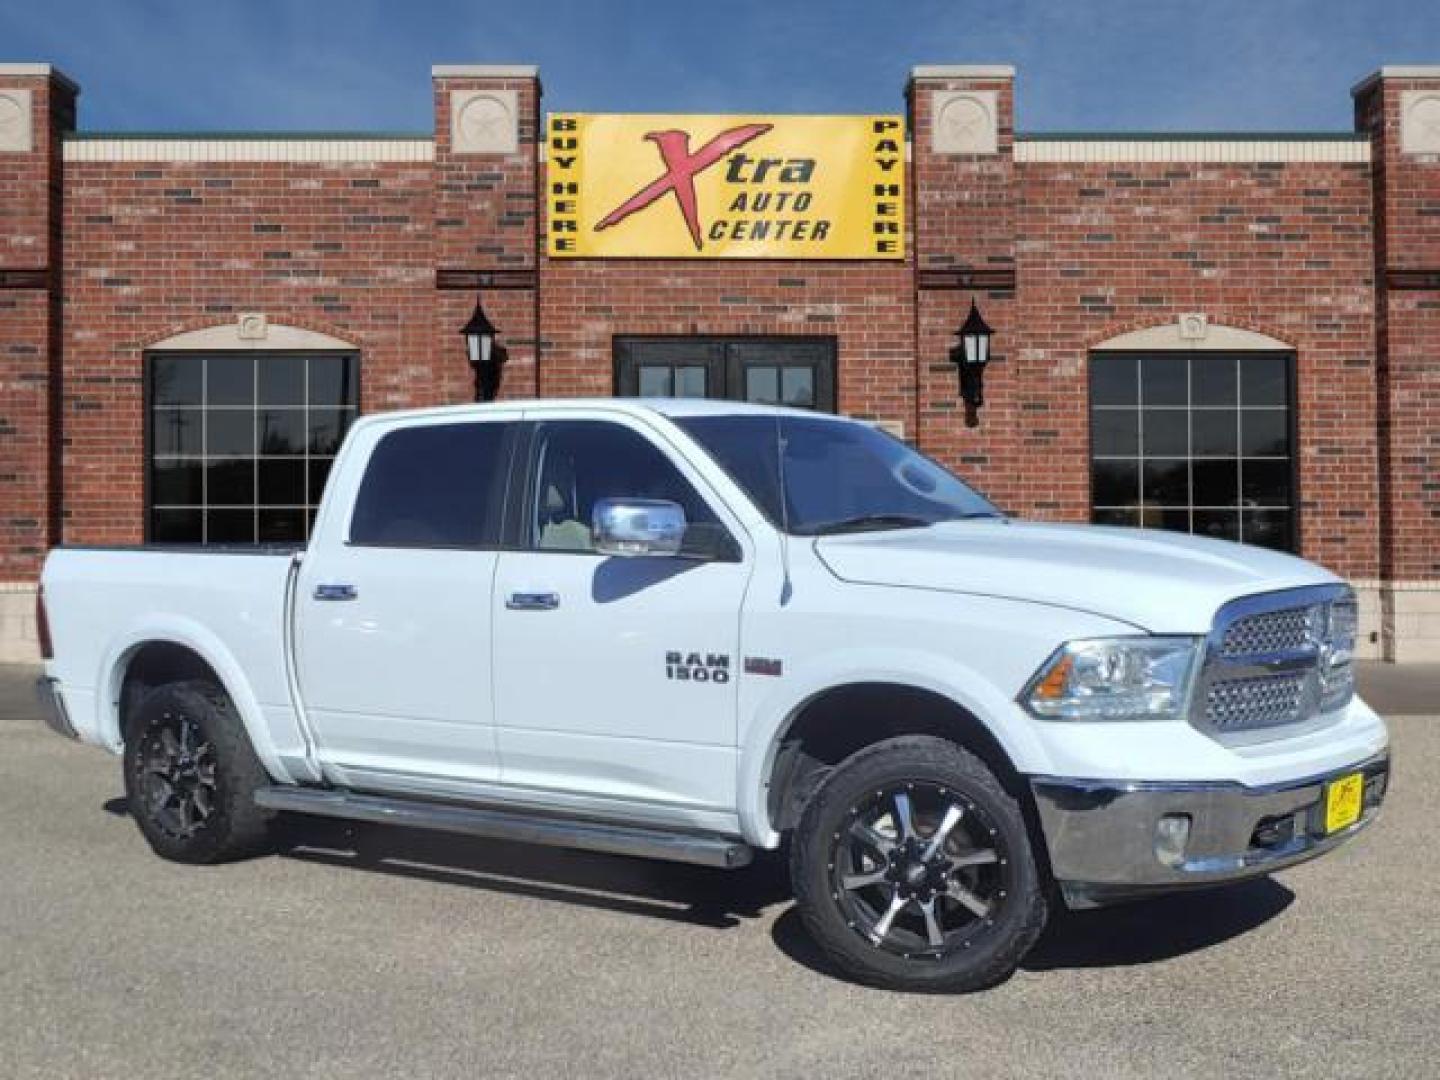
x=204, y=450
x=255, y=450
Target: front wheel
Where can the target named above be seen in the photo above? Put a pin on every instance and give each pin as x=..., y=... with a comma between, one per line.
x=913, y=869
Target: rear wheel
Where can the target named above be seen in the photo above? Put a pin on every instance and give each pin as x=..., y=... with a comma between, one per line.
x=913, y=870
x=191, y=776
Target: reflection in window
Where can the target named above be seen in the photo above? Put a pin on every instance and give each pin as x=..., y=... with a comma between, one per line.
x=1195, y=442
x=240, y=445
x=581, y=462
x=673, y=380
x=792, y=385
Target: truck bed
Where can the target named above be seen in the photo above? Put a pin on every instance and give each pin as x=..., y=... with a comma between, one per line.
x=102, y=601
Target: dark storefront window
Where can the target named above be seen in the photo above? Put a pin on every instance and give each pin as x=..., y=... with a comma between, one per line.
x=1196, y=442
x=239, y=445
x=799, y=371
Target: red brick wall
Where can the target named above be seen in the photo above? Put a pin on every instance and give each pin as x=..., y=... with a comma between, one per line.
x=1100, y=249
x=486, y=205
x=486, y=214
x=30, y=253
x=1281, y=249
x=154, y=249
x=964, y=204
x=866, y=306
x=965, y=226
x=350, y=249
x=1407, y=210
x=24, y=418
x=1064, y=257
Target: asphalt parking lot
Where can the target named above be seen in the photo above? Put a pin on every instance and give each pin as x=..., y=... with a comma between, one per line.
x=385, y=953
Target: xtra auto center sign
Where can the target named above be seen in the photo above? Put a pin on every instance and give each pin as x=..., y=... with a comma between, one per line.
x=730, y=187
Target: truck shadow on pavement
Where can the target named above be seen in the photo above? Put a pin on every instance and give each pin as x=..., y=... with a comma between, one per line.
x=676, y=892
x=1138, y=933
x=1143, y=932
x=698, y=895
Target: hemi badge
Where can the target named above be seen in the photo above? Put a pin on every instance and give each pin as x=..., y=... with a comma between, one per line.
x=760, y=665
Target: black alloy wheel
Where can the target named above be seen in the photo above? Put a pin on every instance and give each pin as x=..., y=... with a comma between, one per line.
x=913, y=869
x=191, y=775
x=176, y=780
x=920, y=870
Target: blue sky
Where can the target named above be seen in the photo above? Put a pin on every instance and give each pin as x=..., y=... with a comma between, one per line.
x=364, y=64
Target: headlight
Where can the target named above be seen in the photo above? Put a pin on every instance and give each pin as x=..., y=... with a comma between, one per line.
x=1130, y=678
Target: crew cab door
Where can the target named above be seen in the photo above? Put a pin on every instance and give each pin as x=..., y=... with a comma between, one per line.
x=616, y=678
x=393, y=605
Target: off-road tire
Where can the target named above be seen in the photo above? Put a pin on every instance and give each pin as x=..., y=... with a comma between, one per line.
x=918, y=764
x=219, y=757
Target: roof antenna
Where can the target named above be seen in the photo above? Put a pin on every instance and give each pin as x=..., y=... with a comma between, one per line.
x=785, y=587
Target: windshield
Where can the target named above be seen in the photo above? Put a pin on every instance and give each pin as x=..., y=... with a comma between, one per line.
x=838, y=476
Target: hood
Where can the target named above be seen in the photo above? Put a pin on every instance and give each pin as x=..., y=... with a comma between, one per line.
x=1163, y=582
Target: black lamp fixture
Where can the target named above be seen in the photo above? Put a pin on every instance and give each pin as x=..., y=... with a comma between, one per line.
x=970, y=356
x=486, y=355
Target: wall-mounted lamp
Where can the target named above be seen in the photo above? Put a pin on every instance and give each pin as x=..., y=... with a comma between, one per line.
x=486, y=355
x=970, y=355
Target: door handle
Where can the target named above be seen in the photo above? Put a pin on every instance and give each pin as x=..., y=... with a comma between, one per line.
x=533, y=601
x=336, y=590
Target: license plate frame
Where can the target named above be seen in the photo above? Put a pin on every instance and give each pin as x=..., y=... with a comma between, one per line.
x=1344, y=802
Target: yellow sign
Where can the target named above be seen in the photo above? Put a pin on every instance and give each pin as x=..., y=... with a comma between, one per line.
x=1344, y=799
x=726, y=187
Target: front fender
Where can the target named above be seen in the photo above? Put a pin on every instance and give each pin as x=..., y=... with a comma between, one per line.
x=189, y=634
x=937, y=673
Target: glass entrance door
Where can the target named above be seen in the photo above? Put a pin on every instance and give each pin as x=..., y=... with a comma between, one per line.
x=798, y=371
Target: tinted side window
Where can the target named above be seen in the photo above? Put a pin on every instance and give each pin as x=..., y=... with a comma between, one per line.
x=580, y=462
x=435, y=486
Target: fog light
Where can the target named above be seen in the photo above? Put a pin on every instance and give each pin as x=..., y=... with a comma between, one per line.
x=1274, y=832
x=1172, y=833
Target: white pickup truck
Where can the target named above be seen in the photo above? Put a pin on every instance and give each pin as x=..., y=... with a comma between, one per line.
x=689, y=630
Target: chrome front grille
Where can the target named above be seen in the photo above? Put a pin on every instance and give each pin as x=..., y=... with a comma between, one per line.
x=1276, y=659
x=1261, y=702
x=1272, y=632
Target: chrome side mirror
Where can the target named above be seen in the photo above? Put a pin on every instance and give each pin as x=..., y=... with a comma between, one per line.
x=628, y=527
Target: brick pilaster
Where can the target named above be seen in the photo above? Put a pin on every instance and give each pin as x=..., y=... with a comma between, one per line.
x=1400, y=108
x=964, y=209
x=486, y=206
x=37, y=105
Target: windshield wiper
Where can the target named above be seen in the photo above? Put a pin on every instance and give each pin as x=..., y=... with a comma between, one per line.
x=870, y=523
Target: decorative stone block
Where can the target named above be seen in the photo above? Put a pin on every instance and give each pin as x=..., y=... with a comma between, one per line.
x=966, y=122
x=1194, y=326
x=16, y=128
x=484, y=122
x=1420, y=122
x=252, y=326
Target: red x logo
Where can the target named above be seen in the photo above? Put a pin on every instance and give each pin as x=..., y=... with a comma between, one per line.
x=681, y=168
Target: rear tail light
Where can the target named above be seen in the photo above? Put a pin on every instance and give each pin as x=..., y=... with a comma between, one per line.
x=42, y=626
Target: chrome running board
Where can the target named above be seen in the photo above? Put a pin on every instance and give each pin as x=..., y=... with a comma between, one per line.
x=646, y=843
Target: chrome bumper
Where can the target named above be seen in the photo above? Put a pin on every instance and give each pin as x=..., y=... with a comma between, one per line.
x=52, y=707
x=1104, y=836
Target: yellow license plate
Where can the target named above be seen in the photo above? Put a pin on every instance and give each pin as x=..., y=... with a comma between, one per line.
x=1343, y=800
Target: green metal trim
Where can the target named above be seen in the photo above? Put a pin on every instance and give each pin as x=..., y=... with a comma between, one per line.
x=250, y=136
x=1191, y=136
